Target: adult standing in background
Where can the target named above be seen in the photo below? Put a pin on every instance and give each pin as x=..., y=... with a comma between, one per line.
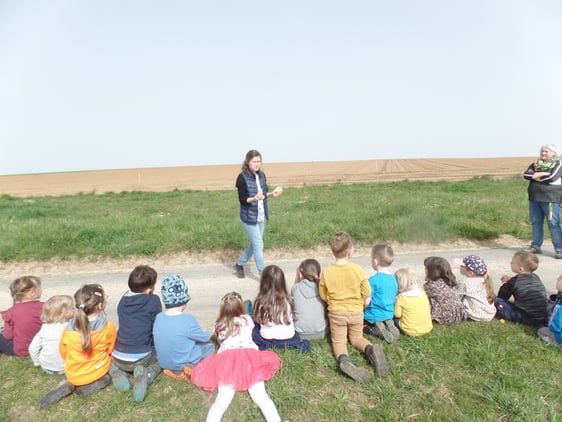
x=252, y=195
x=545, y=195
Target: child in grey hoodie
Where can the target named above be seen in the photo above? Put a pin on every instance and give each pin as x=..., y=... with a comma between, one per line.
x=310, y=311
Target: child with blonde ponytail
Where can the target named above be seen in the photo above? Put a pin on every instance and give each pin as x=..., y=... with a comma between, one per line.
x=86, y=345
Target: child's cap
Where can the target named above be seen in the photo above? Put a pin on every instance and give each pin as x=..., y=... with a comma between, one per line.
x=474, y=263
x=174, y=291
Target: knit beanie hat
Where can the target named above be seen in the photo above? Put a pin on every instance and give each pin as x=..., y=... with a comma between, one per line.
x=174, y=291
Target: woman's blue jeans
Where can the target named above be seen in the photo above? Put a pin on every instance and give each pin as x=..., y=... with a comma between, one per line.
x=255, y=233
x=538, y=212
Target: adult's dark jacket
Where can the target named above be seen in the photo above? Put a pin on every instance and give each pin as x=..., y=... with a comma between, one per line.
x=549, y=188
x=247, y=188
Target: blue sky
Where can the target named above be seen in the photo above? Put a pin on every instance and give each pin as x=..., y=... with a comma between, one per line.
x=106, y=84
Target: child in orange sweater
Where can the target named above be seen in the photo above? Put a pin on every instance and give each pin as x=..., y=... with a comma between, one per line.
x=86, y=345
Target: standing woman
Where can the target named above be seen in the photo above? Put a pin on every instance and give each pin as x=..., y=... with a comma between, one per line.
x=252, y=194
x=545, y=195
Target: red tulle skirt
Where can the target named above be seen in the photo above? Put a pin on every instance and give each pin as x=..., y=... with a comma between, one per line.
x=238, y=369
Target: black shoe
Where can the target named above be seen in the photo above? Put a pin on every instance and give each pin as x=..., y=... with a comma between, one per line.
x=86, y=390
x=375, y=354
x=389, y=324
x=62, y=390
x=349, y=368
x=240, y=271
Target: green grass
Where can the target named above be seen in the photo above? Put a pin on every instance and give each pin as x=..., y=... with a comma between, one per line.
x=471, y=371
x=139, y=223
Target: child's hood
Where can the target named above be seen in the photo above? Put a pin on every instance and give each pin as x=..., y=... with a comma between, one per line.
x=134, y=301
x=307, y=288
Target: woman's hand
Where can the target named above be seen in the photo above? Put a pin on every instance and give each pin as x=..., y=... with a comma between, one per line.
x=277, y=191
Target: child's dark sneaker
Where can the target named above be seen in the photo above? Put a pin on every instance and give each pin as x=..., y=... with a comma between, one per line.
x=86, y=390
x=375, y=354
x=349, y=368
x=382, y=332
x=389, y=324
x=62, y=390
x=119, y=378
x=141, y=383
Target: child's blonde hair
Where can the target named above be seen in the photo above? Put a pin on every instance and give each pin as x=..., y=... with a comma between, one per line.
x=310, y=269
x=57, y=309
x=88, y=299
x=273, y=303
x=527, y=260
x=384, y=254
x=21, y=287
x=406, y=280
x=341, y=243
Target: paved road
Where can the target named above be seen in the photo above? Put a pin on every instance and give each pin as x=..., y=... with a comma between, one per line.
x=207, y=283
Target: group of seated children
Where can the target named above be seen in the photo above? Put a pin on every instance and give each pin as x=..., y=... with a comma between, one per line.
x=73, y=336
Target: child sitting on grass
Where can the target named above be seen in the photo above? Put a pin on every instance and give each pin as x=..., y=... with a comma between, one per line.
x=179, y=340
x=238, y=365
x=44, y=348
x=380, y=312
x=23, y=320
x=86, y=345
x=134, y=350
x=310, y=311
x=477, y=289
x=345, y=289
x=553, y=333
x=529, y=306
x=273, y=314
x=412, y=308
x=441, y=289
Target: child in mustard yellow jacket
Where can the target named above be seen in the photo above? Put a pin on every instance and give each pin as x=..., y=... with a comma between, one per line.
x=345, y=289
x=86, y=344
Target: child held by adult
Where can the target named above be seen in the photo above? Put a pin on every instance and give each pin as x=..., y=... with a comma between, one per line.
x=23, y=320
x=345, y=289
x=44, y=348
x=529, y=306
x=412, y=308
x=476, y=289
x=238, y=365
x=379, y=313
x=310, y=310
x=86, y=345
x=134, y=352
x=441, y=289
x=553, y=333
x=179, y=340
x=273, y=314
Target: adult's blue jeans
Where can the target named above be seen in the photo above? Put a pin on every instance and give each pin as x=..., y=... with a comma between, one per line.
x=538, y=212
x=255, y=248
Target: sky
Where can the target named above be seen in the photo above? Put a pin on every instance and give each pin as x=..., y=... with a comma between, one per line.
x=110, y=84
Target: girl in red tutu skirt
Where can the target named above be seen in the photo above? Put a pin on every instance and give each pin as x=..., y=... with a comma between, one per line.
x=238, y=365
